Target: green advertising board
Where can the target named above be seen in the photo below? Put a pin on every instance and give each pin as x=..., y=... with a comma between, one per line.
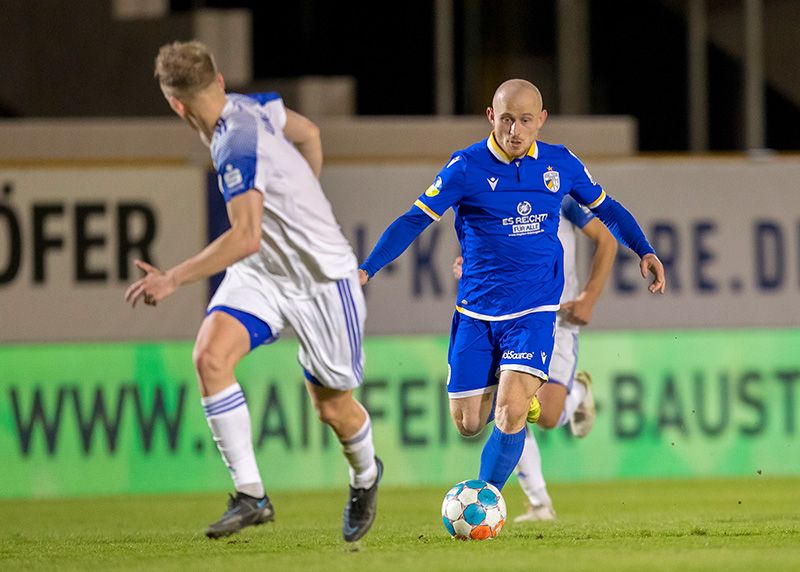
x=118, y=418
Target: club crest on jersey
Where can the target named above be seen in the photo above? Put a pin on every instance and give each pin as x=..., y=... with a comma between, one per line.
x=524, y=208
x=493, y=182
x=552, y=180
x=434, y=189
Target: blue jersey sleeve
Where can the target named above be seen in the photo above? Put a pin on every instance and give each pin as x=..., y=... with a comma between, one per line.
x=623, y=226
x=235, y=159
x=395, y=239
x=575, y=213
x=447, y=189
x=584, y=188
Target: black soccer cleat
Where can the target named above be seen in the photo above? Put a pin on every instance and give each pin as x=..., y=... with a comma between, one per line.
x=361, y=508
x=243, y=510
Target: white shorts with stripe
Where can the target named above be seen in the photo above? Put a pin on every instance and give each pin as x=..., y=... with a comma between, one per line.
x=329, y=324
x=565, y=354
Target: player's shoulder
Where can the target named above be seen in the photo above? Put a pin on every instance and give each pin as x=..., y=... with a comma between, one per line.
x=554, y=150
x=236, y=132
x=559, y=152
x=474, y=154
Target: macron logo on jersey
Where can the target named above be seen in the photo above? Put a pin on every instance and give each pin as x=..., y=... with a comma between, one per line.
x=232, y=177
x=493, y=182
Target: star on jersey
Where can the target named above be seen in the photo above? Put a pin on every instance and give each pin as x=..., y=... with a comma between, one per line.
x=552, y=180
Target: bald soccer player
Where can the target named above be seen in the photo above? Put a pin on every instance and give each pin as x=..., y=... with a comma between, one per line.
x=506, y=192
x=286, y=263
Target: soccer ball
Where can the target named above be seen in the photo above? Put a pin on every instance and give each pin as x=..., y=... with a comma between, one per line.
x=473, y=510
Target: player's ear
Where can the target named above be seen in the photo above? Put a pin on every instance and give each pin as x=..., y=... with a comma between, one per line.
x=221, y=81
x=542, y=118
x=490, y=115
x=176, y=105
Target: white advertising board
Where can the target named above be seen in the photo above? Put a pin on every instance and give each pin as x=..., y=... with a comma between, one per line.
x=68, y=239
x=728, y=231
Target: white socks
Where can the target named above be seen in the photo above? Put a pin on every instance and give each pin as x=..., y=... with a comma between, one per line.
x=360, y=454
x=529, y=473
x=574, y=398
x=229, y=419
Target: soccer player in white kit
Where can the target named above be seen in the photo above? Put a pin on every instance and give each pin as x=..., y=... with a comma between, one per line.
x=287, y=264
x=567, y=396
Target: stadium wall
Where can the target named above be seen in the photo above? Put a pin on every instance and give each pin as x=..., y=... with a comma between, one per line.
x=94, y=400
x=727, y=230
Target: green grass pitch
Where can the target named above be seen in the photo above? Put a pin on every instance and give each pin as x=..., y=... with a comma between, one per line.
x=737, y=524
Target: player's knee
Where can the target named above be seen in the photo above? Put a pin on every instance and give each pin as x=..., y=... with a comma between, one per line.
x=328, y=412
x=468, y=425
x=469, y=428
x=209, y=364
x=548, y=419
x=510, y=418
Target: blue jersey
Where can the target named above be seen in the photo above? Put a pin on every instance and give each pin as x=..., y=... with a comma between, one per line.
x=507, y=213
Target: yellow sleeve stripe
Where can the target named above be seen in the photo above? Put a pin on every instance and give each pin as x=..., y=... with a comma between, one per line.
x=426, y=209
x=599, y=200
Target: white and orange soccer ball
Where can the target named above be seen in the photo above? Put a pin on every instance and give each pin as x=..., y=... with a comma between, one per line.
x=473, y=510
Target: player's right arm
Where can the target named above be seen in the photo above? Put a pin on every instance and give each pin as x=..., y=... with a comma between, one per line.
x=579, y=311
x=446, y=190
x=240, y=241
x=245, y=212
x=305, y=135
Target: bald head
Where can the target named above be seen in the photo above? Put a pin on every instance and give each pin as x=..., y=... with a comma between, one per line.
x=516, y=116
x=519, y=93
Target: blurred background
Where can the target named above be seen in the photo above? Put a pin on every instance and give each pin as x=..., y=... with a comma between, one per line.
x=688, y=111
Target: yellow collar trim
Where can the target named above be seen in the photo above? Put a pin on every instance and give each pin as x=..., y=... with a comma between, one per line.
x=501, y=155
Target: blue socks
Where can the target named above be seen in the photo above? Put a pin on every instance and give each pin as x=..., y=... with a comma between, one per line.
x=500, y=455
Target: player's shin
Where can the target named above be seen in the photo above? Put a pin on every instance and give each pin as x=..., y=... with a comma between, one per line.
x=529, y=473
x=500, y=455
x=229, y=419
x=359, y=451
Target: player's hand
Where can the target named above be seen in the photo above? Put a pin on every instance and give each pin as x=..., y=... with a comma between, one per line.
x=651, y=263
x=457, y=267
x=153, y=287
x=363, y=277
x=578, y=311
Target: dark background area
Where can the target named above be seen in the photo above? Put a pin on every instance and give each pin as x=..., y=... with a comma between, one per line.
x=638, y=59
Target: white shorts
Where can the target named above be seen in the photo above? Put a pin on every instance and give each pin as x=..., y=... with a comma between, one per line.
x=329, y=324
x=565, y=355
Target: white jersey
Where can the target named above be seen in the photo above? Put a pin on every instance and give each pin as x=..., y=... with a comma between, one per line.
x=565, y=349
x=302, y=245
x=573, y=216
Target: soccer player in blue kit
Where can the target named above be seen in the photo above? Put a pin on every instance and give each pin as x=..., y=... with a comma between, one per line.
x=506, y=192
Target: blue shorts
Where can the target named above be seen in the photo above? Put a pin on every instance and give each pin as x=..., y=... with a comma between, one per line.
x=480, y=350
x=258, y=330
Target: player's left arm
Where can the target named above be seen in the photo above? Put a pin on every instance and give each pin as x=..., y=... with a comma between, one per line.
x=619, y=221
x=622, y=224
x=305, y=135
x=241, y=240
x=579, y=311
